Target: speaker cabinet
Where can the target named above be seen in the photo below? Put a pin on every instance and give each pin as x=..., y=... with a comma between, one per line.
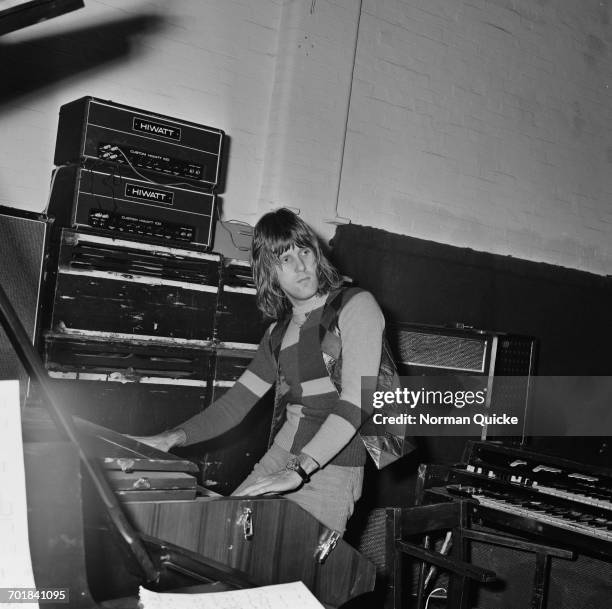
x=438, y=350
x=22, y=251
x=507, y=361
x=585, y=582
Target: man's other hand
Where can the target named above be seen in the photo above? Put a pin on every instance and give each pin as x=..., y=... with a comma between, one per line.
x=278, y=482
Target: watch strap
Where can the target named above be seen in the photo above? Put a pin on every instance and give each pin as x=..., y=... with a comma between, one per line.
x=294, y=465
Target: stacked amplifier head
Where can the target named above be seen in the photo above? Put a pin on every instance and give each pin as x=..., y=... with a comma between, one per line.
x=128, y=172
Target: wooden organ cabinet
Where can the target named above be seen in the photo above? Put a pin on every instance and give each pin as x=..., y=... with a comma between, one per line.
x=142, y=336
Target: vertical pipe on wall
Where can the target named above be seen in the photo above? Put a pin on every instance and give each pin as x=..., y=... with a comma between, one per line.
x=337, y=218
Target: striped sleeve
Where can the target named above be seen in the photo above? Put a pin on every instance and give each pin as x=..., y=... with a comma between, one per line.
x=227, y=411
x=361, y=324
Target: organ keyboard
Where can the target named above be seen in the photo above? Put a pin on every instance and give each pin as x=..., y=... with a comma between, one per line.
x=566, y=518
x=566, y=502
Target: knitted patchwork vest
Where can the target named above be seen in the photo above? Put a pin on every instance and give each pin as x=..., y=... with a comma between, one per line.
x=319, y=356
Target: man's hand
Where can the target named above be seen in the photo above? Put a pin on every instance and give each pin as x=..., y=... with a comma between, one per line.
x=163, y=441
x=279, y=482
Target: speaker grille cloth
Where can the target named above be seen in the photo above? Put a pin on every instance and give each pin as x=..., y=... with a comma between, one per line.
x=440, y=351
x=583, y=583
x=21, y=250
x=372, y=542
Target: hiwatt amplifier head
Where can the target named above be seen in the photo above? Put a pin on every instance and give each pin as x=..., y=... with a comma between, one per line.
x=164, y=149
x=129, y=206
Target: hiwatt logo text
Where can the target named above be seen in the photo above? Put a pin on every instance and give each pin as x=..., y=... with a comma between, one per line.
x=140, y=124
x=149, y=194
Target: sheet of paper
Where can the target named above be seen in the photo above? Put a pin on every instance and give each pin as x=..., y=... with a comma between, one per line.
x=15, y=562
x=280, y=596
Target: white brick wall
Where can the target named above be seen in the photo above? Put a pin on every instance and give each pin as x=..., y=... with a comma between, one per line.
x=207, y=61
x=479, y=123
x=309, y=107
x=485, y=124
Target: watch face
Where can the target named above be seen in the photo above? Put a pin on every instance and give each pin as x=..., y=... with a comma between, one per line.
x=293, y=464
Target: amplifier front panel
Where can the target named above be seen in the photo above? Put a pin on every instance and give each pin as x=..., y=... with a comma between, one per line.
x=163, y=148
x=102, y=288
x=125, y=361
x=87, y=252
x=122, y=204
x=133, y=306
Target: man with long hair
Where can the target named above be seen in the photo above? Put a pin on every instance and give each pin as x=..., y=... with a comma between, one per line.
x=323, y=340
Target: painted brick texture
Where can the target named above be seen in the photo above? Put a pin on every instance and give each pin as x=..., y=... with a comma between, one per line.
x=209, y=62
x=485, y=124
x=479, y=123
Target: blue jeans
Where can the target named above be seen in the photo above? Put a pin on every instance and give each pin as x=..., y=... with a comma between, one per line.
x=329, y=496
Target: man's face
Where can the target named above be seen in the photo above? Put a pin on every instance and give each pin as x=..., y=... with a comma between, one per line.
x=297, y=274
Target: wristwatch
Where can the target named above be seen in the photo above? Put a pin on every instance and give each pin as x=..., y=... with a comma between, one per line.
x=294, y=465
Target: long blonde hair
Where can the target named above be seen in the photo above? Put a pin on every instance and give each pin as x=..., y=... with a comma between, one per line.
x=274, y=234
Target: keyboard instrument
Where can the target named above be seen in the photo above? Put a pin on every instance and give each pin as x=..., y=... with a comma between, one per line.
x=107, y=514
x=566, y=502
